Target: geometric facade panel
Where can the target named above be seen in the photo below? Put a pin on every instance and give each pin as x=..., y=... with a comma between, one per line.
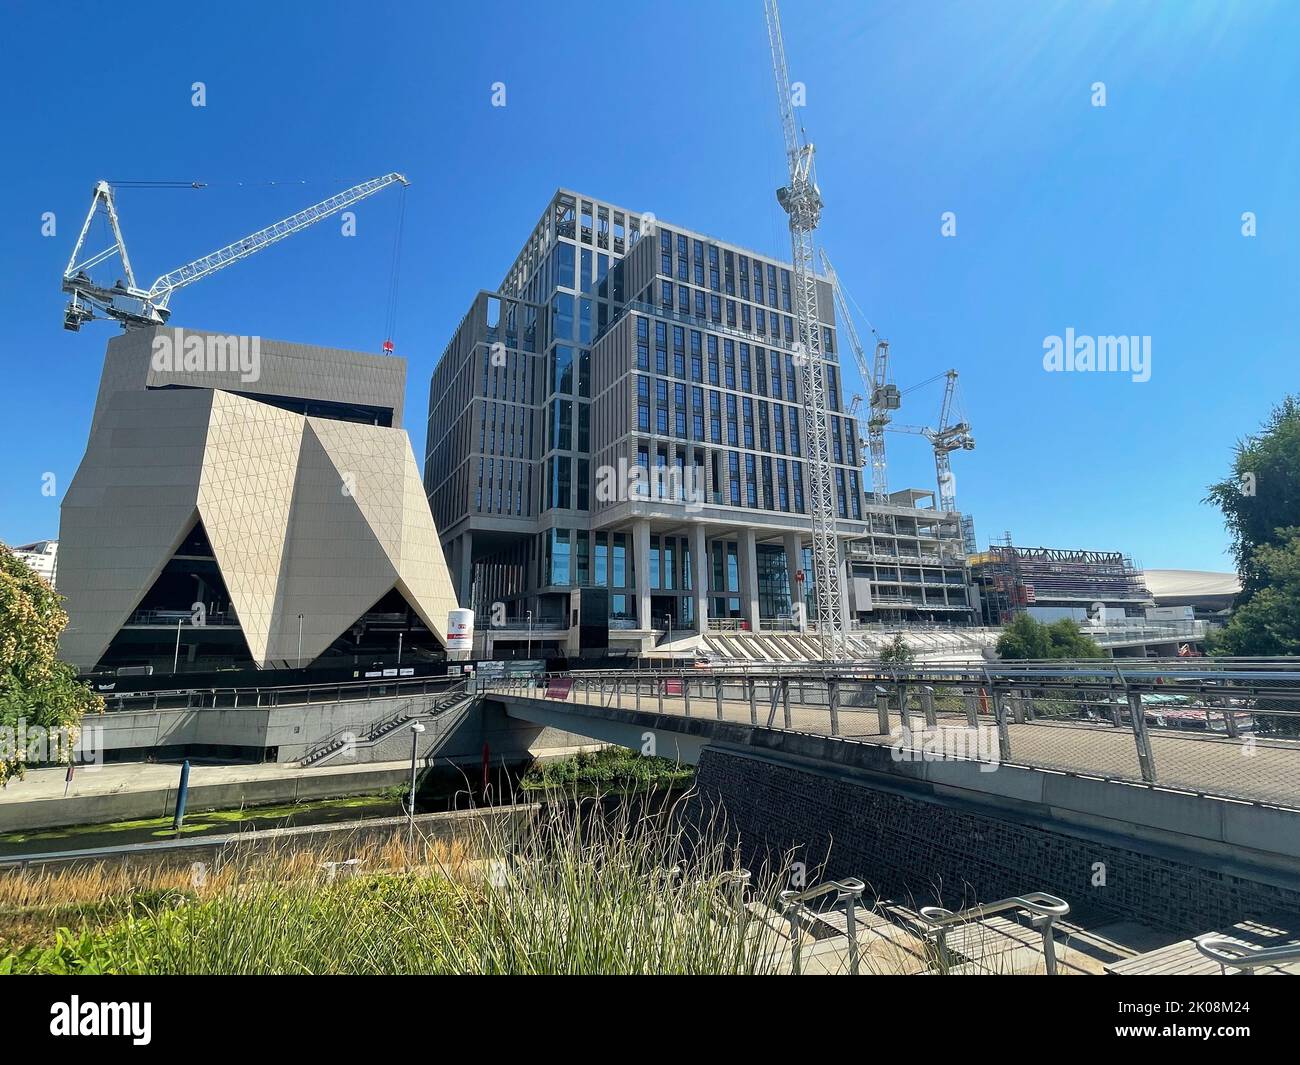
x=311, y=520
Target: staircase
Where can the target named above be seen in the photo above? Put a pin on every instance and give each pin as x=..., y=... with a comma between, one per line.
x=826, y=930
x=445, y=709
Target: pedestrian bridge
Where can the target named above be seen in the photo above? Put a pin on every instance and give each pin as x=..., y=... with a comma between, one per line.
x=1188, y=767
x=1227, y=730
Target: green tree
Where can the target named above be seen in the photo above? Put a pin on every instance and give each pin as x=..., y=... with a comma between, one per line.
x=896, y=654
x=1027, y=637
x=1261, y=499
x=1268, y=622
x=34, y=685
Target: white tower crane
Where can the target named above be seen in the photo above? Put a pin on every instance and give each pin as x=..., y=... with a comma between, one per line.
x=947, y=437
x=135, y=307
x=885, y=396
x=802, y=201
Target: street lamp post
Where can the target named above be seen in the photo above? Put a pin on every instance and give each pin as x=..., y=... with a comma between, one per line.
x=530, y=633
x=176, y=658
x=300, y=641
x=416, y=729
x=668, y=619
x=399, y=647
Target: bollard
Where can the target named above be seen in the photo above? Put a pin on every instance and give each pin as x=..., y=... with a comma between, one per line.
x=882, y=712
x=686, y=695
x=927, y=705
x=182, y=796
x=1018, y=707
x=904, y=713
x=753, y=709
x=717, y=695
x=833, y=702
x=659, y=690
x=785, y=700
x=972, y=710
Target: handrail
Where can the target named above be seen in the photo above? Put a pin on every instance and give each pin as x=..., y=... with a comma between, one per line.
x=849, y=884
x=1045, y=908
x=442, y=702
x=847, y=891
x=1227, y=951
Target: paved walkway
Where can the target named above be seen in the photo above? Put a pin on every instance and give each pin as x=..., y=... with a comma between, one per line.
x=1259, y=770
x=119, y=778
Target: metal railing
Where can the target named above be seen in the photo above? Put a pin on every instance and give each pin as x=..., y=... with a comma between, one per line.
x=254, y=698
x=795, y=903
x=1228, y=952
x=1181, y=724
x=456, y=696
x=1044, y=911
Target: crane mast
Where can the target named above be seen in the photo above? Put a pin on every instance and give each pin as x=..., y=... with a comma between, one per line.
x=884, y=397
x=801, y=200
x=946, y=438
x=145, y=307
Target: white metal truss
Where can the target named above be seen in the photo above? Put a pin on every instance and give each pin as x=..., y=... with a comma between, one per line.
x=135, y=307
x=885, y=396
x=802, y=201
x=948, y=437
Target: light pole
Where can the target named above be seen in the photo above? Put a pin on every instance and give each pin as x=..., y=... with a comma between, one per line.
x=416, y=728
x=530, y=634
x=300, y=641
x=399, y=647
x=668, y=618
x=176, y=658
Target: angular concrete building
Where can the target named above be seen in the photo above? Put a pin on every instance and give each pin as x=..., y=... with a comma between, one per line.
x=247, y=502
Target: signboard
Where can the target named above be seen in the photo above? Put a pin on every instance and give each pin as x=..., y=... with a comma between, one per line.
x=559, y=687
x=460, y=630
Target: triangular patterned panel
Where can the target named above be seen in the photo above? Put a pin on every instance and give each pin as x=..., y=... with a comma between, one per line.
x=245, y=498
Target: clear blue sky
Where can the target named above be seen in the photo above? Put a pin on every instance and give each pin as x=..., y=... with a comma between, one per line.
x=1117, y=220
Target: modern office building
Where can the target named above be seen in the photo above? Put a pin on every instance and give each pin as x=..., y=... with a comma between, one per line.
x=42, y=557
x=624, y=412
x=248, y=503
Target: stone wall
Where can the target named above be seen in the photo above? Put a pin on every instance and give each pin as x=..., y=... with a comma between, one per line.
x=929, y=851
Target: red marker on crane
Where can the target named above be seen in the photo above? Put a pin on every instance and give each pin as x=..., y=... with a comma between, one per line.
x=388, y=347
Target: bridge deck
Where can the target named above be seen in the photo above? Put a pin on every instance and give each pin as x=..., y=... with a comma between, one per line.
x=1254, y=769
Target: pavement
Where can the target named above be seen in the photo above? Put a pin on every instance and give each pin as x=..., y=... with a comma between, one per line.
x=1254, y=769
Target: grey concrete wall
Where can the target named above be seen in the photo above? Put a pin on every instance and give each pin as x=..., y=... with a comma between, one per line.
x=298, y=730
x=939, y=850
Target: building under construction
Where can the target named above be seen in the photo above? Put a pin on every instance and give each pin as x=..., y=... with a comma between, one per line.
x=1050, y=583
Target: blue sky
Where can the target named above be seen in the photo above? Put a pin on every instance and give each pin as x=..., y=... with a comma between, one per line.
x=1123, y=219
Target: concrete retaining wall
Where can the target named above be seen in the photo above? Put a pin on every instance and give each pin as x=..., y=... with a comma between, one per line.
x=951, y=851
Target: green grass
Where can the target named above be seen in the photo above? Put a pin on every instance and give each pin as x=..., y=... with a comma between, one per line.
x=584, y=890
x=614, y=770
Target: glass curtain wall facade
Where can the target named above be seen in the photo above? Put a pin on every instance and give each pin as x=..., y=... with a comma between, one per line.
x=638, y=426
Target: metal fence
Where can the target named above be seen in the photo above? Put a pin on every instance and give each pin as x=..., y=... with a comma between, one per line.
x=1228, y=728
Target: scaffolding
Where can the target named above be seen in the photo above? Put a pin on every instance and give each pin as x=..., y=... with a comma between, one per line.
x=1012, y=579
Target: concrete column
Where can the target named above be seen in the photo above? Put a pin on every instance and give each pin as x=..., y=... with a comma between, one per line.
x=641, y=560
x=747, y=557
x=793, y=564
x=700, y=578
x=464, y=568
